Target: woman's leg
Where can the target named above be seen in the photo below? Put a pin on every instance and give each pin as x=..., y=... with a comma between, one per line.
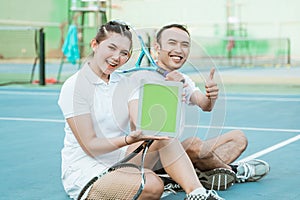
x=174, y=160
x=154, y=186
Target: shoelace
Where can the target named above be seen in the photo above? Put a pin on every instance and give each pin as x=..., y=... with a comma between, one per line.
x=249, y=171
x=172, y=187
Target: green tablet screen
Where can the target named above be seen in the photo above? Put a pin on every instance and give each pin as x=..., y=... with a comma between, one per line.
x=160, y=108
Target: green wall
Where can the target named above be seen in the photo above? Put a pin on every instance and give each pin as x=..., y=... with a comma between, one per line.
x=262, y=18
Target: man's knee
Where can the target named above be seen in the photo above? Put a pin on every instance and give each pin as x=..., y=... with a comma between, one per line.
x=192, y=146
x=241, y=139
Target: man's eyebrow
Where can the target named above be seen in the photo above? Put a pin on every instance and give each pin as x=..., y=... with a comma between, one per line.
x=185, y=42
x=113, y=44
x=174, y=40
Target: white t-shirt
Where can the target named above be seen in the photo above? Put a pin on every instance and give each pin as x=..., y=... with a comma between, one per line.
x=154, y=76
x=86, y=93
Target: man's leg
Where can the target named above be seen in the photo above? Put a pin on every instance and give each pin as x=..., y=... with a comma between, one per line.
x=212, y=157
x=217, y=152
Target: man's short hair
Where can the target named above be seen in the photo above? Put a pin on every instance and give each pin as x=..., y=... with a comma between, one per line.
x=160, y=31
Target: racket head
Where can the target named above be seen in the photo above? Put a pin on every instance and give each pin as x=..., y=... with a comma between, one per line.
x=123, y=181
x=141, y=55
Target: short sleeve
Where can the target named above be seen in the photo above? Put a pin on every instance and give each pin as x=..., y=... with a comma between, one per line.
x=72, y=100
x=190, y=89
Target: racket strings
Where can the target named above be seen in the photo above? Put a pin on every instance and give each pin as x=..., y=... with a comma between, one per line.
x=117, y=185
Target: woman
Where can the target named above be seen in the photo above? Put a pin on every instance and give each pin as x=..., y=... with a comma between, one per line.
x=95, y=138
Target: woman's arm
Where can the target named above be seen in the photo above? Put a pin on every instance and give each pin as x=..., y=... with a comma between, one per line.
x=83, y=130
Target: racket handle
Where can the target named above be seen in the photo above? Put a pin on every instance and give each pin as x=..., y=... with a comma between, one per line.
x=162, y=71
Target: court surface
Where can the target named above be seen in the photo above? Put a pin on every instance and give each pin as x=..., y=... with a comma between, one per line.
x=32, y=137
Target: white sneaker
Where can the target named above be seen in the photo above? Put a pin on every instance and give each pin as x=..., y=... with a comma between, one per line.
x=173, y=187
x=251, y=170
x=210, y=195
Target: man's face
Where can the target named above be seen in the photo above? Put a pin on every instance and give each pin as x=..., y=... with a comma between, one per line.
x=173, y=48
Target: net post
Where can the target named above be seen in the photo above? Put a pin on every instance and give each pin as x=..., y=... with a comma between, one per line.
x=42, y=56
x=289, y=51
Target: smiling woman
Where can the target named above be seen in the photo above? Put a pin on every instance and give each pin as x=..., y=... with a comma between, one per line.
x=96, y=137
x=92, y=141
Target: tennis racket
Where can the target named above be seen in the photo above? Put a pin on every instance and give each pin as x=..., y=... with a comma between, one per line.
x=115, y=182
x=144, y=53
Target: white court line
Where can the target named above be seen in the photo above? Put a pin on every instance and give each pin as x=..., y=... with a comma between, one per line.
x=270, y=149
x=265, y=151
x=188, y=126
x=284, y=99
x=239, y=98
x=30, y=93
x=31, y=119
x=258, y=154
x=245, y=128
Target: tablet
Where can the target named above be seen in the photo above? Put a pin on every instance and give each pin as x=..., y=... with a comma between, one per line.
x=159, y=110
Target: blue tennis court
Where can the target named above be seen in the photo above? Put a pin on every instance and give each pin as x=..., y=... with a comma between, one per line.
x=32, y=137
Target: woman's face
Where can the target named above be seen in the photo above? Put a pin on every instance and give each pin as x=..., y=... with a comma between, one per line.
x=112, y=53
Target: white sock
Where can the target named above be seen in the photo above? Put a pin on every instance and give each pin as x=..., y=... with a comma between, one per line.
x=200, y=190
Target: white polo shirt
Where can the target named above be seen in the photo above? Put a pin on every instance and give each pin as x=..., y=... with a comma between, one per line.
x=84, y=93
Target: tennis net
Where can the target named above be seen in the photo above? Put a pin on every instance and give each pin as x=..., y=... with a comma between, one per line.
x=21, y=48
x=246, y=51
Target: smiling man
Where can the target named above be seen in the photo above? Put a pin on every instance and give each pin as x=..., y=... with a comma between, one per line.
x=213, y=158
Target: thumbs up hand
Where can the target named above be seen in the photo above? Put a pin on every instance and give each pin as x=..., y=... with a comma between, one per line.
x=211, y=87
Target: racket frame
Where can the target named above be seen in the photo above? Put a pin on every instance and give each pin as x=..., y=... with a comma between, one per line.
x=144, y=52
x=121, y=164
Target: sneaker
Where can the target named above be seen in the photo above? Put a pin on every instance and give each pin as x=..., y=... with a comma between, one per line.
x=210, y=195
x=170, y=184
x=251, y=170
x=217, y=179
x=173, y=188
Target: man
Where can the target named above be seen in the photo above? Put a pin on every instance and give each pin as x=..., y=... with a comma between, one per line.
x=212, y=158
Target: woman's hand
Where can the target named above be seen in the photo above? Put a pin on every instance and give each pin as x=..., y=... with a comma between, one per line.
x=136, y=136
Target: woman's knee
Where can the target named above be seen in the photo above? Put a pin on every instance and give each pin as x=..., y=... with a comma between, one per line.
x=154, y=186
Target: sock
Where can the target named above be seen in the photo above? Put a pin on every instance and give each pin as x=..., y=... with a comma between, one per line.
x=200, y=190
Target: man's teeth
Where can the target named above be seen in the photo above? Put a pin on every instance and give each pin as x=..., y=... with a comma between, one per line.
x=176, y=57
